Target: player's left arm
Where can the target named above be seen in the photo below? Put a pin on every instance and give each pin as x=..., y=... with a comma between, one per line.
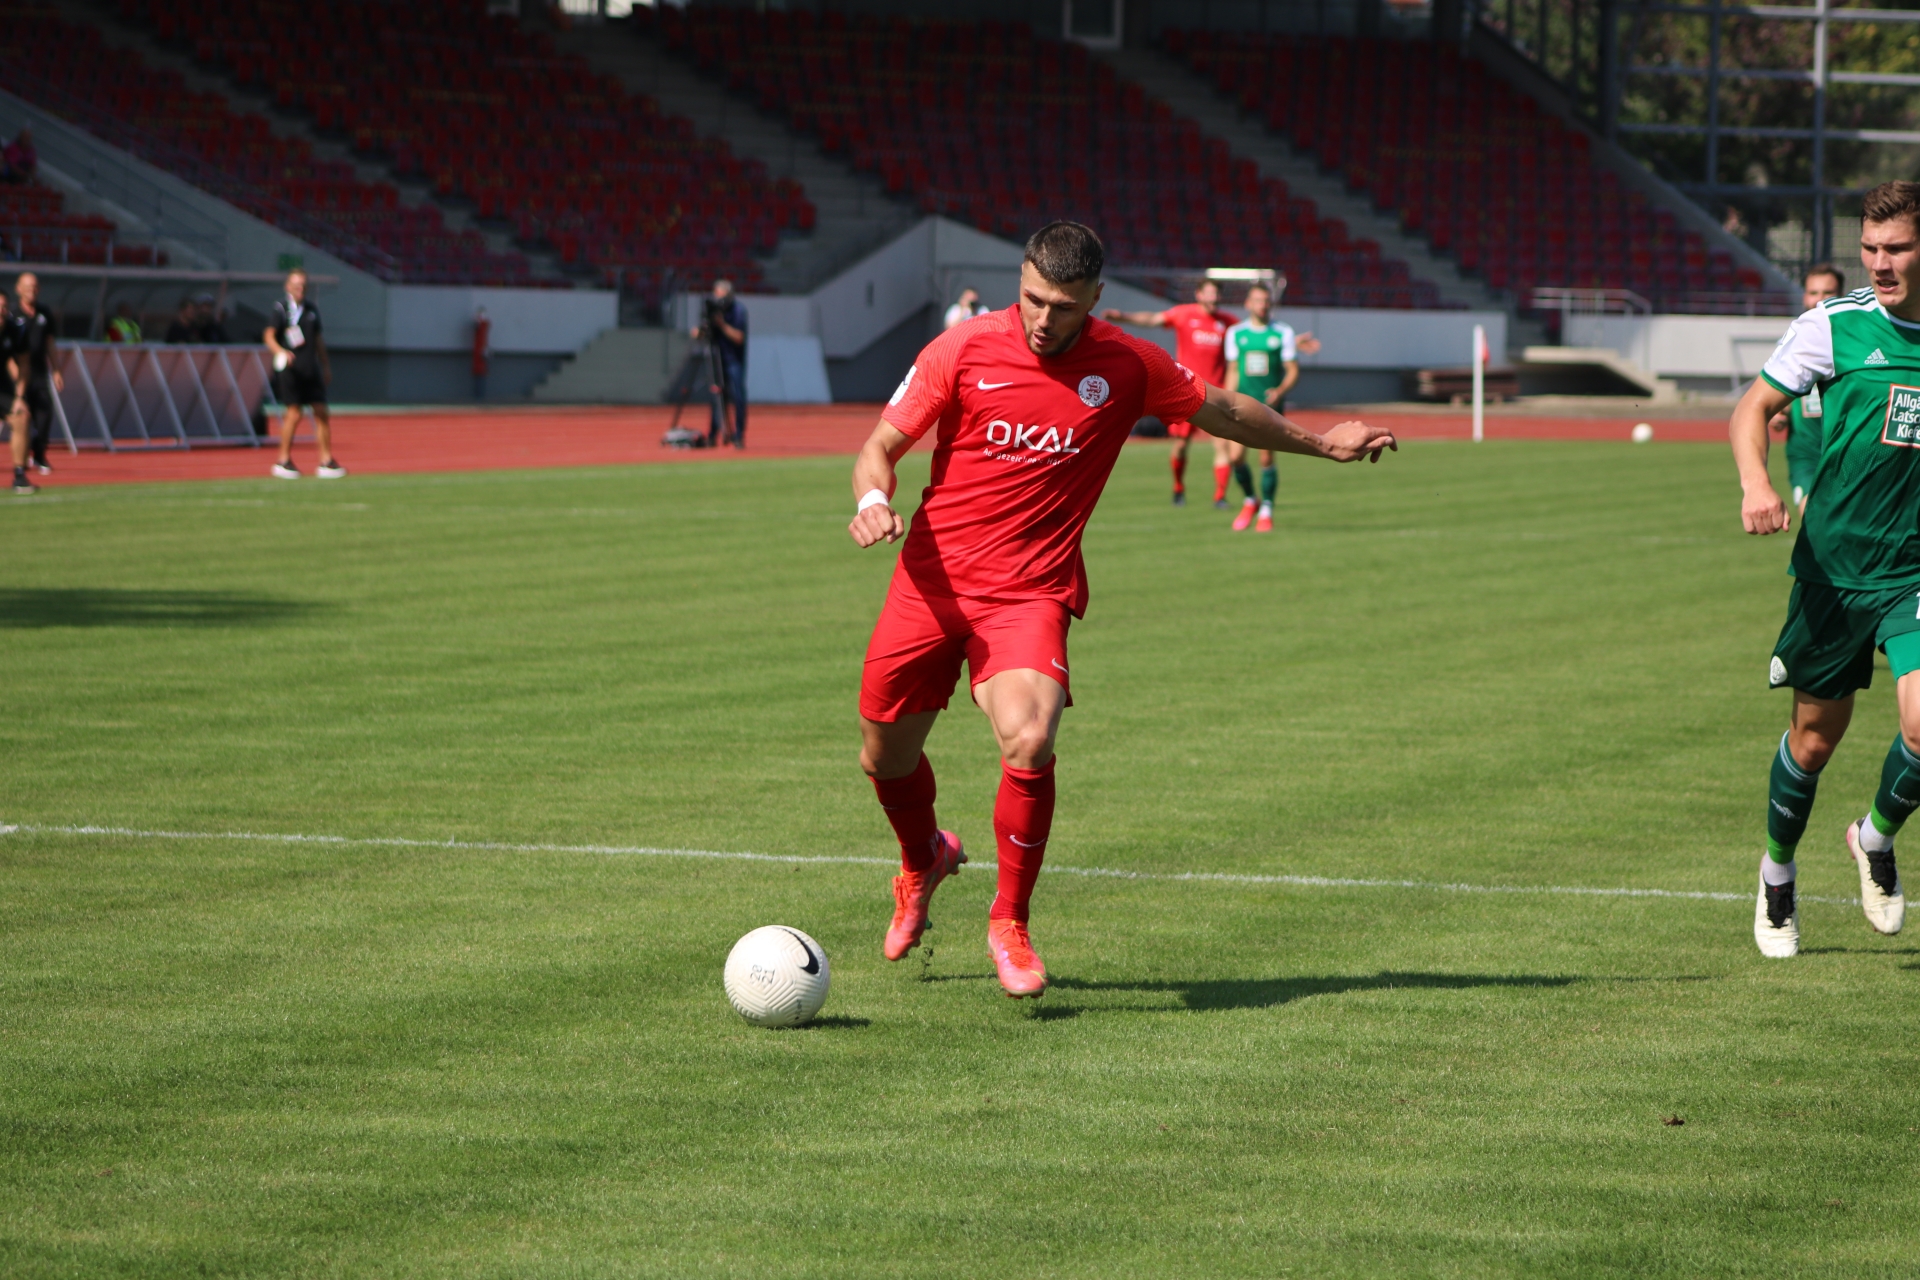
x=53, y=364
x=1242, y=418
x=1761, y=510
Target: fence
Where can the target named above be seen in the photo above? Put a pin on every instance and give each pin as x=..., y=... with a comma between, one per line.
x=127, y=397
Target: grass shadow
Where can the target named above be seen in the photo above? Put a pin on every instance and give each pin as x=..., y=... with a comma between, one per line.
x=27, y=608
x=833, y=1022
x=1264, y=993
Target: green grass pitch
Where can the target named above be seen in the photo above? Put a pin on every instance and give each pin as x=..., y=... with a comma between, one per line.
x=1506, y=665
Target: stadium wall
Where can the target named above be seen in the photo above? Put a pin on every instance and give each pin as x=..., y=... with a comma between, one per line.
x=1715, y=354
x=872, y=319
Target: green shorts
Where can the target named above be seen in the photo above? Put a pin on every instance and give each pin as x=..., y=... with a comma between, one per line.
x=1826, y=647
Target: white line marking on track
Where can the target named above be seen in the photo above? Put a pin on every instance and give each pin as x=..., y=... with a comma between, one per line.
x=1101, y=873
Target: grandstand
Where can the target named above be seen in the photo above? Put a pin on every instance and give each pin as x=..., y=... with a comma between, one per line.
x=35, y=226
x=944, y=111
x=67, y=68
x=1477, y=168
x=491, y=113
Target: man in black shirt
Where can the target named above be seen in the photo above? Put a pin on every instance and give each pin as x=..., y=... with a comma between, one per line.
x=725, y=326
x=181, y=330
x=31, y=357
x=300, y=362
x=13, y=428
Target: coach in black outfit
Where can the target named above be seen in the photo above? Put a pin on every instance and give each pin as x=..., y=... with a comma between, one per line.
x=30, y=352
x=300, y=363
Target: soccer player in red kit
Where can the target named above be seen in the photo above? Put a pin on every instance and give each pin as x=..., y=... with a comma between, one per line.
x=1200, y=344
x=1030, y=408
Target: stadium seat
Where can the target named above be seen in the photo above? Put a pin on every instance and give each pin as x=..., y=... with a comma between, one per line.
x=1475, y=167
x=945, y=112
x=490, y=112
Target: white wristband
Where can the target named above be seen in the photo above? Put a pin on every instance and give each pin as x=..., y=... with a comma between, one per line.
x=873, y=498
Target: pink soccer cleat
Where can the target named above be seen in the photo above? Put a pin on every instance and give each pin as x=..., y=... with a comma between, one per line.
x=913, y=890
x=1245, y=518
x=1265, y=523
x=1021, y=972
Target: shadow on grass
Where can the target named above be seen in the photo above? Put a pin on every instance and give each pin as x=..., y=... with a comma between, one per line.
x=1264, y=993
x=23, y=608
x=833, y=1022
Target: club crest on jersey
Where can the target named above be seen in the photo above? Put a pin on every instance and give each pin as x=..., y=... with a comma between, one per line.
x=1002, y=434
x=900, y=392
x=1903, y=418
x=1094, y=391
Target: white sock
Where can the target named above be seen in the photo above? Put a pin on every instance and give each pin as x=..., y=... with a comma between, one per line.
x=1870, y=838
x=1776, y=873
x=1266, y=509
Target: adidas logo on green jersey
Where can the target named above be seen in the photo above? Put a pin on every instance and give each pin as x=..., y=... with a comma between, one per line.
x=1878, y=357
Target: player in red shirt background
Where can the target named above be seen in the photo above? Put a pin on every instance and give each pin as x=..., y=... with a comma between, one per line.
x=1200, y=343
x=1029, y=408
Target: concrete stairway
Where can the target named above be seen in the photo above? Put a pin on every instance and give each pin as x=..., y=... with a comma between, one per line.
x=414, y=192
x=621, y=366
x=1192, y=96
x=856, y=215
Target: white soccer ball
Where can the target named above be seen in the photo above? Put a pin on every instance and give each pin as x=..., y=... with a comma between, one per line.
x=776, y=977
x=1642, y=432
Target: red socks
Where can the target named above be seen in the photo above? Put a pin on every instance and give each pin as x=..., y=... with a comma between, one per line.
x=909, y=805
x=1179, y=464
x=1221, y=475
x=1022, y=820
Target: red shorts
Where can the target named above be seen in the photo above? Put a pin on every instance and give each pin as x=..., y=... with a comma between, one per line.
x=1182, y=431
x=913, y=660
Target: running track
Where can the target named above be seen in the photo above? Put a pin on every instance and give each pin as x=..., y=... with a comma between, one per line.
x=500, y=439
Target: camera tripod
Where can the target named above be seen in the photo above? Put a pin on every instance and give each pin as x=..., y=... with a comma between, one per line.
x=703, y=357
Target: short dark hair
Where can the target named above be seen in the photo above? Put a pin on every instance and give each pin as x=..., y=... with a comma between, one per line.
x=1892, y=200
x=1066, y=253
x=1825, y=269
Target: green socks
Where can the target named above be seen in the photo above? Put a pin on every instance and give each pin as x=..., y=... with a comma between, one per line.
x=1269, y=484
x=1899, y=793
x=1244, y=474
x=1790, y=792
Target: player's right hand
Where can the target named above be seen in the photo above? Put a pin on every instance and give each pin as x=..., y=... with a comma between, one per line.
x=877, y=523
x=1762, y=511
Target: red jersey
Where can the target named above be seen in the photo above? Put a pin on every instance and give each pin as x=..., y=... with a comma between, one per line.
x=1200, y=340
x=1024, y=448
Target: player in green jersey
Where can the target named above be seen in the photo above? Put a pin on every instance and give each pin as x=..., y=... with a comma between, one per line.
x=1801, y=423
x=1856, y=564
x=1263, y=361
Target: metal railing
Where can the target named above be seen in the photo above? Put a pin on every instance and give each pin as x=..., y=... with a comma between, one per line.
x=137, y=397
x=1625, y=302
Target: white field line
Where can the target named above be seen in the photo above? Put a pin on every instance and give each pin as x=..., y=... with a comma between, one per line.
x=1052, y=868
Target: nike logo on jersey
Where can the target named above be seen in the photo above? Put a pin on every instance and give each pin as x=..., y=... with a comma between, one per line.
x=1878, y=357
x=1056, y=663
x=992, y=386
